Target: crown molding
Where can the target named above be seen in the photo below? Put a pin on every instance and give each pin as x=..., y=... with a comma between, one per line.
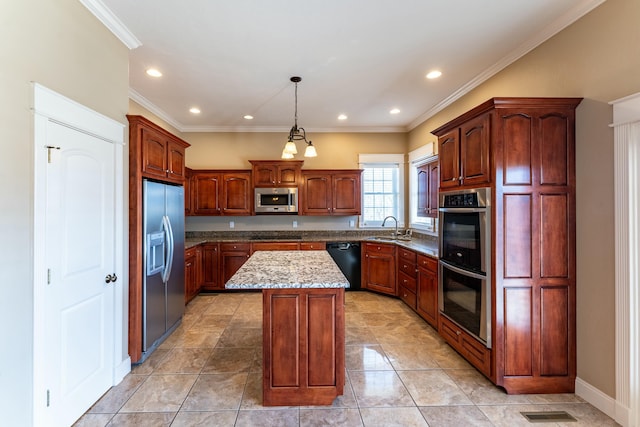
x=155, y=110
x=111, y=21
x=280, y=129
x=549, y=31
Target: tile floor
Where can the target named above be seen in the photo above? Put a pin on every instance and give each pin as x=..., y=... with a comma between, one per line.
x=399, y=373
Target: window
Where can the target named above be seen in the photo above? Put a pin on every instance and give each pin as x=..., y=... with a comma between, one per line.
x=382, y=188
x=417, y=158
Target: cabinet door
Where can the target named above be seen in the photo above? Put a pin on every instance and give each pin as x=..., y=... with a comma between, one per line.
x=474, y=151
x=205, y=190
x=316, y=194
x=210, y=267
x=236, y=194
x=175, y=161
x=379, y=268
x=346, y=194
x=154, y=154
x=187, y=192
x=449, y=157
x=264, y=175
x=288, y=175
x=232, y=256
x=190, y=275
x=427, y=304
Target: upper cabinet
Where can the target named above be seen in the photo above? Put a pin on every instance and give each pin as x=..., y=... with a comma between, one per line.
x=155, y=152
x=464, y=153
x=428, y=182
x=274, y=173
x=220, y=192
x=330, y=192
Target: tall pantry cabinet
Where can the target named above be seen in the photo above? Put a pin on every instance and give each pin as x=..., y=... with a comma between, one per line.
x=525, y=151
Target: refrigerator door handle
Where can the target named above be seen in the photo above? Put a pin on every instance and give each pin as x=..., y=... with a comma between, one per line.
x=166, y=225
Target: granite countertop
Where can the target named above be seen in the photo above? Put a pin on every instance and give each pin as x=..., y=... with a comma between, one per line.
x=427, y=245
x=288, y=269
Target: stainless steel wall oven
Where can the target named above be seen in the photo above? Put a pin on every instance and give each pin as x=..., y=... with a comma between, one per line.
x=465, y=260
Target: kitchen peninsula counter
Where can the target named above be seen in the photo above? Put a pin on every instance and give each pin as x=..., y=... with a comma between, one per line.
x=303, y=324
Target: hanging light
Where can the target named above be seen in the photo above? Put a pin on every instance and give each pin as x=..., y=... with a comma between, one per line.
x=296, y=133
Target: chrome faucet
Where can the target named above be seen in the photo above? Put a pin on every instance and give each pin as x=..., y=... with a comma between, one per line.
x=393, y=218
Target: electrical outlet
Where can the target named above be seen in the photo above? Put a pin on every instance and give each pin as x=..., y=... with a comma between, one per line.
x=232, y=224
x=295, y=224
x=352, y=223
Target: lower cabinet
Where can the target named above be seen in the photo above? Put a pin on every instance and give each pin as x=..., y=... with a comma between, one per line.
x=304, y=344
x=471, y=349
x=407, y=273
x=427, y=290
x=192, y=269
x=232, y=256
x=210, y=267
x=379, y=268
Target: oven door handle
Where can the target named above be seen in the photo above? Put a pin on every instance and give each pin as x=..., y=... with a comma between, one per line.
x=462, y=210
x=463, y=271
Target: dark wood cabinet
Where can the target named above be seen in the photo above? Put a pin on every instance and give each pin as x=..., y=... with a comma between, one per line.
x=472, y=350
x=211, y=267
x=303, y=342
x=313, y=246
x=273, y=173
x=427, y=292
x=159, y=154
x=156, y=154
x=463, y=153
x=220, y=193
x=232, y=256
x=407, y=274
x=274, y=246
x=379, y=268
x=192, y=272
x=524, y=148
x=330, y=192
x=428, y=177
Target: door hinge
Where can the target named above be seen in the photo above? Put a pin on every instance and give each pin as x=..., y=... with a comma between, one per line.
x=48, y=398
x=49, y=148
x=48, y=276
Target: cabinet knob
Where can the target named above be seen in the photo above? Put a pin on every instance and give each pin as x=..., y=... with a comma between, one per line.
x=458, y=332
x=454, y=179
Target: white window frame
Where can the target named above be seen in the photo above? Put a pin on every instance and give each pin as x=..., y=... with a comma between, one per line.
x=373, y=160
x=418, y=157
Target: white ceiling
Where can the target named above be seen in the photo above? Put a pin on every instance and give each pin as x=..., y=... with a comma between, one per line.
x=356, y=57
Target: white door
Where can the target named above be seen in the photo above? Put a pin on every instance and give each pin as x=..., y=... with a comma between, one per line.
x=80, y=257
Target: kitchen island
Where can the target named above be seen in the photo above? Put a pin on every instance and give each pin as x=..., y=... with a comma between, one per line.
x=303, y=325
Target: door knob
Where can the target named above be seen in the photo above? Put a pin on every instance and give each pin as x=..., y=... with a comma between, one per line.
x=111, y=278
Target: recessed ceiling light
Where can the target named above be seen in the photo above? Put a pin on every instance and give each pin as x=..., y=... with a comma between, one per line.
x=434, y=74
x=248, y=117
x=394, y=111
x=194, y=110
x=342, y=117
x=154, y=72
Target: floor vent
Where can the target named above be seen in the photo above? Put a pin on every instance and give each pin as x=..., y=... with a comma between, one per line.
x=548, y=417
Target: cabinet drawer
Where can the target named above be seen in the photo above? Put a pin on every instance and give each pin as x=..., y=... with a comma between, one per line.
x=231, y=247
x=407, y=281
x=407, y=255
x=313, y=246
x=407, y=296
x=470, y=348
x=275, y=246
x=379, y=247
x=427, y=263
x=407, y=268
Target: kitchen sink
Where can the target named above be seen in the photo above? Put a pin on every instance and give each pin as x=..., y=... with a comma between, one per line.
x=391, y=238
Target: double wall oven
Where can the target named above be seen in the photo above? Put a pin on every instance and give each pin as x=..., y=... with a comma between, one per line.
x=465, y=260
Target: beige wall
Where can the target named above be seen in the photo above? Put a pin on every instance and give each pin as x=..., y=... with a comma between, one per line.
x=60, y=45
x=597, y=58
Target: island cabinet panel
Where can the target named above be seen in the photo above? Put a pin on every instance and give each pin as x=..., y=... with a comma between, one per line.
x=524, y=149
x=379, y=268
x=303, y=344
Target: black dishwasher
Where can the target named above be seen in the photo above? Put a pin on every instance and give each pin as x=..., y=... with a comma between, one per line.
x=347, y=257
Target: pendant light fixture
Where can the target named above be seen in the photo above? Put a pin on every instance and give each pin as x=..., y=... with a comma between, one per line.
x=296, y=133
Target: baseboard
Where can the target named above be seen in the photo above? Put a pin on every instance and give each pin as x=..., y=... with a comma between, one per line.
x=603, y=402
x=121, y=371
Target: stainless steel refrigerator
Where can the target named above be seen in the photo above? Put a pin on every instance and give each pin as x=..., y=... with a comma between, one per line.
x=163, y=284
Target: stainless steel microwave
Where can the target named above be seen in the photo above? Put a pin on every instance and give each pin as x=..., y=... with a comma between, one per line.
x=276, y=200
